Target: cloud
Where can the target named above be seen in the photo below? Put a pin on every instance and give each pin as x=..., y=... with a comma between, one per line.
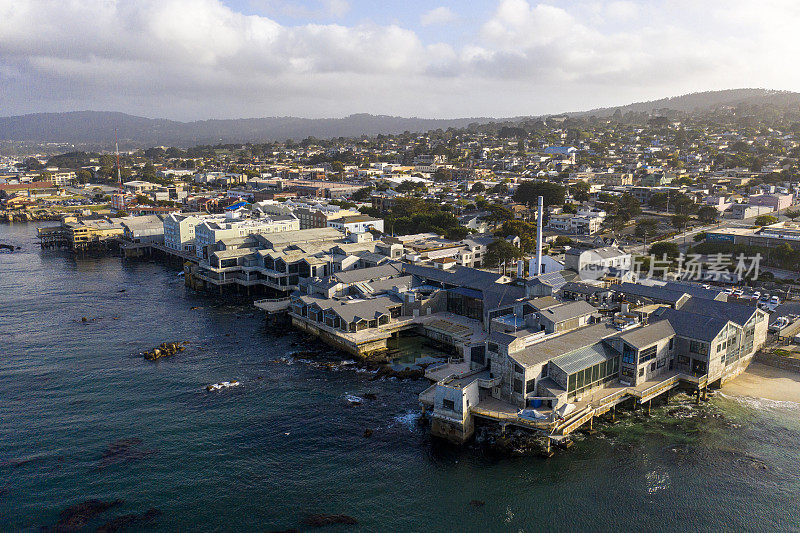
x=200, y=58
x=438, y=16
x=325, y=9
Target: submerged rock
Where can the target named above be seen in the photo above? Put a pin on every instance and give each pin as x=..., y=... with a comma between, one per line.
x=477, y=503
x=78, y=516
x=367, y=433
x=320, y=520
x=128, y=520
x=406, y=373
x=122, y=451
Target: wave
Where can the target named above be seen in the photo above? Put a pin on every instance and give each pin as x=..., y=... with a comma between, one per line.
x=762, y=403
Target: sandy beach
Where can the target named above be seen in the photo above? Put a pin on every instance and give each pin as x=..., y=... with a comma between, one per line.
x=763, y=381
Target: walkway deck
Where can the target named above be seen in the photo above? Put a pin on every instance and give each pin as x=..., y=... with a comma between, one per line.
x=590, y=406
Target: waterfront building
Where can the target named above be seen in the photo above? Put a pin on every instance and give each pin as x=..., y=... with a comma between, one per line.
x=231, y=225
x=148, y=229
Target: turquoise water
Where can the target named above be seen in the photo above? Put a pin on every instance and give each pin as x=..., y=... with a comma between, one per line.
x=286, y=443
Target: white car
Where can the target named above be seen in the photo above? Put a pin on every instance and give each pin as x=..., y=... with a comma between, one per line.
x=775, y=301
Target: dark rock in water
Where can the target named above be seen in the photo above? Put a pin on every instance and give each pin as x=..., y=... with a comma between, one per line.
x=122, y=290
x=367, y=433
x=78, y=516
x=129, y=520
x=369, y=396
x=320, y=520
x=477, y=503
x=406, y=373
x=84, y=319
x=165, y=349
x=122, y=451
x=285, y=531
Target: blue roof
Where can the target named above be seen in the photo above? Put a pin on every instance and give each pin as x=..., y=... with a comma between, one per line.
x=237, y=205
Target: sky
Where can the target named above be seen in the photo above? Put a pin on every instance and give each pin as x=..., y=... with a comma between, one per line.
x=202, y=59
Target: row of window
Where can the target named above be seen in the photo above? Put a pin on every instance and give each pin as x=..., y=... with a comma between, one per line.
x=592, y=376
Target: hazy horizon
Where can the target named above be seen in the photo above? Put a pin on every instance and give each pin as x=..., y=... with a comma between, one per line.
x=226, y=59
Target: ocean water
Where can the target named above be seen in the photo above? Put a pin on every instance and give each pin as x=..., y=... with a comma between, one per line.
x=84, y=416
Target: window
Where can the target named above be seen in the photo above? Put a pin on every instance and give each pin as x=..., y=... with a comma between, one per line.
x=683, y=360
x=698, y=347
x=670, y=343
x=641, y=372
x=492, y=347
x=627, y=372
x=518, y=369
x=647, y=354
x=661, y=363
x=449, y=404
x=530, y=386
x=628, y=354
x=518, y=386
x=652, y=366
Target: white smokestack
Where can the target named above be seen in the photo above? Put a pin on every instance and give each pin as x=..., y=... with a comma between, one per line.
x=539, y=216
x=520, y=268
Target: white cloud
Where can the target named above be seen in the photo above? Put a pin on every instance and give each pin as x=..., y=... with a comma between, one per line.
x=438, y=16
x=325, y=8
x=200, y=58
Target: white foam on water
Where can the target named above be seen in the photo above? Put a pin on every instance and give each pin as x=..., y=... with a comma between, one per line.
x=408, y=419
x=763, y=403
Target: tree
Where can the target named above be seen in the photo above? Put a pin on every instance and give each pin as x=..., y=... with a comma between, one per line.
x=658, y=200
x=680, y=221
x=524, y=230
x=84, y=176
x=456, y=233
x=498, y=213
x=660, y=249
x=646, y=227
x=563, y=240
x=580, y=191
x=708, y=214
x=501, y=251
x=628, y=206
x=361, y=195
x=765, y=220
x=529, y=191
x=792, y=214
x=500, y=188
x=701, y=236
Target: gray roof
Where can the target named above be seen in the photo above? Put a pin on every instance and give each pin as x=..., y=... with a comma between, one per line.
x=644, y=336
x=368, y=274
x=692, y=325
x=460, y=276
x=582, y=288
x=500, y=295
x=650, y=292
x=567, y=311
x=694, y=290
x=585, y=357
x=736, y=313
x=543, y=302
x=370, y=309
x=562, y=344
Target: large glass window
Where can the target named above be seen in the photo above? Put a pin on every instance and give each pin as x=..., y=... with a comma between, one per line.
x=647, y=354
x=628, y=354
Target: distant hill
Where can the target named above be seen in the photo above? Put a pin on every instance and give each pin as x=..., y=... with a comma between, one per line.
x=98, y=127
x=703, y=102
